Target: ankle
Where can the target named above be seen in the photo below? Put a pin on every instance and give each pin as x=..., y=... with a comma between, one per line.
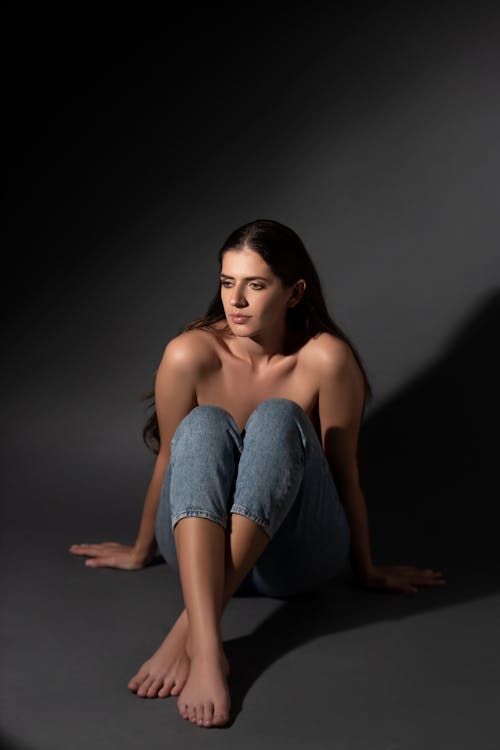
x=210, y=658
x=206, y=646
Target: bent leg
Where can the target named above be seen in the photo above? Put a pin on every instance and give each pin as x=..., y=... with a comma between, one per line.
x=193, y=514
x=167, y=671
x=271, y=466
x=200, y=545
x=285, y=484
x=256, y=517
x=207, y=584
x=205, y=451
x=200, y=475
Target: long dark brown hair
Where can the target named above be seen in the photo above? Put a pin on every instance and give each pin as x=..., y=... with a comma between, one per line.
x=285, y=254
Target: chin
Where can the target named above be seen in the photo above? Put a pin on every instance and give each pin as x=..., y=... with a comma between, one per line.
x=238, y=329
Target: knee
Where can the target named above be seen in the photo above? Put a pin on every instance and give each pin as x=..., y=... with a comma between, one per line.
x=203, y=420
x=276, y=413
x=279, y=406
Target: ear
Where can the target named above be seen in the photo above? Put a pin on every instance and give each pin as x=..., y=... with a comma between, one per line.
x=298, y=290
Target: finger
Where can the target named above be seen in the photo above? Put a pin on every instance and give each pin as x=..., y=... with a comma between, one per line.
x=95, y=546
x=421, y=580
x=85, y=549
x=98, y=550
x=100, y=562
x=412, y=570
x=78, y=549
x=431, y=573
x=87, y=552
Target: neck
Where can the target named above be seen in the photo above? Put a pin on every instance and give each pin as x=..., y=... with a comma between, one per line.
x=260, y=350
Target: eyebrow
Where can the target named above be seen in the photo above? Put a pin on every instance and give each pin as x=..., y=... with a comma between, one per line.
x=247, y=278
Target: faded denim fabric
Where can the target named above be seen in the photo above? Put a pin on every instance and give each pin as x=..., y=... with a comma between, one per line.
x=276, y=473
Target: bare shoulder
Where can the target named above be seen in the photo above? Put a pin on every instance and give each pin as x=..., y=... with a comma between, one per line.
x=190, y=351
x=329, y=353
x=333, y=362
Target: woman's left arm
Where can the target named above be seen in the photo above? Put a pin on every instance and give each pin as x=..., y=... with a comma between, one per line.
x=340, y=404
x=354, y=505
x=404, y=578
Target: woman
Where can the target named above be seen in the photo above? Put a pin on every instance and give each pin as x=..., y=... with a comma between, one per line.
x=255, y=488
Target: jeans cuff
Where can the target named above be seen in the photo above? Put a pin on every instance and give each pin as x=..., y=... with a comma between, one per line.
x=199, y=513
x=262, y=522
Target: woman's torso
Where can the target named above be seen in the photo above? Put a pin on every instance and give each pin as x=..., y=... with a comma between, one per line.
x=231, y=383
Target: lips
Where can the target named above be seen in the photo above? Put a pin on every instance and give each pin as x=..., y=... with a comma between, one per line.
x=240, y=317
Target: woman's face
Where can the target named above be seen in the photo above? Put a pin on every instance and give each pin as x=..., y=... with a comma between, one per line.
x=249, y=288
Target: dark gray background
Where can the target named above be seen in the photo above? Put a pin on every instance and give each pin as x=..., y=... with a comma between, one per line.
x=135, y=145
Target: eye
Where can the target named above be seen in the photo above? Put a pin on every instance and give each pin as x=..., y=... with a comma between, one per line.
x=253, y=284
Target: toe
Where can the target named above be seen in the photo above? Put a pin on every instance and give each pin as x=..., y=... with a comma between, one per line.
x=165, y=691
x=154, y=687
x=137, y=680
x=208, y=714
x=199, y=714
x=182, y=707
x=143, y=689
x=219, y=719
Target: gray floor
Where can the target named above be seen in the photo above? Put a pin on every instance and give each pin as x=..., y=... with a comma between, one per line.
x=349, y=670
x=343, y=668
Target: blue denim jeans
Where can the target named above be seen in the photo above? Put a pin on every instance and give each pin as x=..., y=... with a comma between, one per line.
x=276, y=473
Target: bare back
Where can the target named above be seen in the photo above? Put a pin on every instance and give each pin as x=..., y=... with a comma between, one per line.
x=226, y=380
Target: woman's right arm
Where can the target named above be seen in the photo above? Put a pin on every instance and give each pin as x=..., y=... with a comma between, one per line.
x=145, y=544
x=175, y=397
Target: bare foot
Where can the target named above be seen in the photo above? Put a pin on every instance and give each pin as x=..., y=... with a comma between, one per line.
x=166, y=672
x=205, y=698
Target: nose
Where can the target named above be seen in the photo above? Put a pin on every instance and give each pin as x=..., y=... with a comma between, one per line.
x=237, y=300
